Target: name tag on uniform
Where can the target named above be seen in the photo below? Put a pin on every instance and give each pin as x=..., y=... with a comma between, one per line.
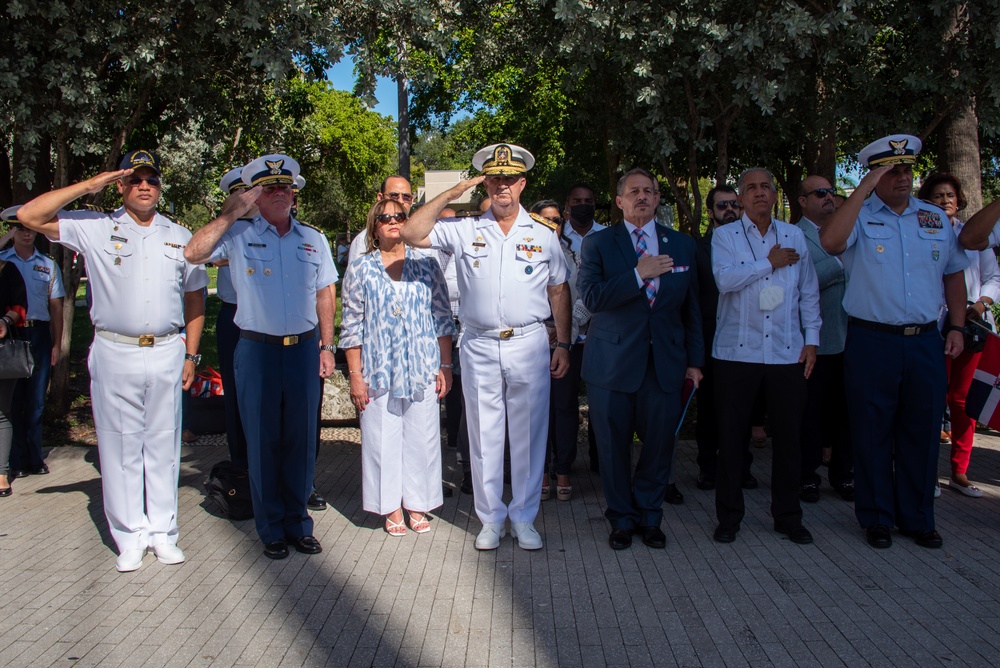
x=117, y=238
x=253, y=245
x=872, y=222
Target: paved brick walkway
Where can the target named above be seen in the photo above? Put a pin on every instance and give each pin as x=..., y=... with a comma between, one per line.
x=432, y=600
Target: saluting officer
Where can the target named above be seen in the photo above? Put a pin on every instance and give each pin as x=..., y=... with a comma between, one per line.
x=42, y=328
x=143, y=293
x=898, y=252
x=227, y=335
x=282, y=271
x=511, y=274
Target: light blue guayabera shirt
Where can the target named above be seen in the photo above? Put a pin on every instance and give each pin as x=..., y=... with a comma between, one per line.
x=895, y=263
x=396, y=323
x=276, y=278
x=42, y=279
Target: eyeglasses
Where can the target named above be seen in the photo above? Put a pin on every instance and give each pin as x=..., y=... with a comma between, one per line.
x=727, y=204
x=386, y=218
x=556, y=221
x=153, y=181
x=404, y=197
x=822, y=192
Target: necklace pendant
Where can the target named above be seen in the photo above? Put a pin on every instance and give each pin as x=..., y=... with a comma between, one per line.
x=397, y=311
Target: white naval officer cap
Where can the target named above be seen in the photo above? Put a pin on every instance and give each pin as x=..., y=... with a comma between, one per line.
x=232, y=181
x=274, y=168
x=299, y=184
x=503, y=160
x=9, y=215
x=891, y=150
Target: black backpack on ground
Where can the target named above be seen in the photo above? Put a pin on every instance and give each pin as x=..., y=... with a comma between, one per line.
x=229, y=488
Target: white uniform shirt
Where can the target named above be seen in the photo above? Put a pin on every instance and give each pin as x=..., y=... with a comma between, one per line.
x=224, y=285
x=276, y=278
x=42, y=279
x=138, y=275
x=745, y=333
x=502, y=279
x=575, y=239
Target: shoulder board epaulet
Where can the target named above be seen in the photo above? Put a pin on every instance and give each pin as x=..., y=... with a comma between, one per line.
x=312, y=228
x=98, y=209
x=544, y=221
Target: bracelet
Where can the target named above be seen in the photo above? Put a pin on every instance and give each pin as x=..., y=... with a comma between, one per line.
x=354, y=371
x=447, y=366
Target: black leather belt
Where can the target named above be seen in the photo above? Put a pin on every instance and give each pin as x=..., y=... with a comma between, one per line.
x=289, y=340
x=35, y=323
x=903, y=330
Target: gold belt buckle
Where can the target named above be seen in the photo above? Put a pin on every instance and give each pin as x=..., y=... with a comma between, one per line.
x=506, y=333
x=910, y=331
x=290, y=340
x=146, y=340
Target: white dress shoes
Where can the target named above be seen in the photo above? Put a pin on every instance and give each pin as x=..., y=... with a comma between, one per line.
x=490, y=535
x=168, y=553
x=129, y=560
x=527, y=537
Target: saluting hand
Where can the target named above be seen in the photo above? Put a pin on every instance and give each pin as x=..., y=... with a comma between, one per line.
x=782, y=257
x=468, y=184
x=96, y=184
x=241, y=202
x=651, y=266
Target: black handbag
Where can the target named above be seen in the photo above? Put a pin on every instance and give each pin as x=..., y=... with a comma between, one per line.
x=976, y=332
x=15, y=358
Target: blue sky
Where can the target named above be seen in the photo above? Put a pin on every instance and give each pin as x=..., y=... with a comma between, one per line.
x=342, y=77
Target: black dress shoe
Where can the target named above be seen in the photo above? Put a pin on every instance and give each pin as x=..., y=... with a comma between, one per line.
x=846, y=490
x=316, y=502
x=809, y=492
x=673, y=495
x=447, y=491
x=41, y=470
x=879, y=536
x=652, y=537
x=18, y=473
x=749, y=482
x=798, y=535
x=6, y=491
x=724, y=534
x=931, y=539
x=705, y=481
x=466, y=487
x=306, y=545
x=276, y=550
x=620, y=539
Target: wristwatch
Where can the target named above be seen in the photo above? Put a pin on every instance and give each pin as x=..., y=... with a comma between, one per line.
x=564, y=346
x=954, y=328
x=330, y=348
x=194, y=358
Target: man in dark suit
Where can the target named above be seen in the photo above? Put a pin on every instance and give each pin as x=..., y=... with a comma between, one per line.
x=638, y=279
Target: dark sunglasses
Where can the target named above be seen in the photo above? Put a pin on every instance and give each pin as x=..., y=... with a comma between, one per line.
x=556, y=221
x=822, y=192
x=386, y=218
x=153, y=181
x=406, y=197
x=727, y=204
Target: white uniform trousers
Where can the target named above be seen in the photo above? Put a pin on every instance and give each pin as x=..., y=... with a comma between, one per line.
x=506, y=389
x=401, y=454
x=136, y=397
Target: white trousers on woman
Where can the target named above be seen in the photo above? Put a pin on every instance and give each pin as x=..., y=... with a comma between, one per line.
x=401, y=454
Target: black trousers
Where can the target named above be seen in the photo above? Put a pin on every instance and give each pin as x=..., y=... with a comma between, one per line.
x=825, y=423
x=784, y=386
x=706, y=428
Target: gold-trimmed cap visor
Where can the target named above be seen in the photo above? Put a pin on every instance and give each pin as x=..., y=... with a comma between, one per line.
x=891, y=150
x=503, y=160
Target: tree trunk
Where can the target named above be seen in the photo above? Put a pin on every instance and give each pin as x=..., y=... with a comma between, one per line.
x=59, y=399
x=6, y=180
x=958, y=153
x=403, y=90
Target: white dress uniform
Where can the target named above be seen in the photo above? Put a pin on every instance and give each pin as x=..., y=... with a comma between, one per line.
x=504, y=352
x=138, y=278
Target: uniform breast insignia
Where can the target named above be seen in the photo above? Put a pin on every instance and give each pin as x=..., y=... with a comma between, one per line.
x=544, y=221
x=936, y=255
x=880, y=248
x=118, y=246
x=475, y=265
x=40, y=268
x=118, y=261
x=528, y=269
x=267, y=271
x=309, y=248
x=249, y=271
x=929, y=220
x=274, y=166
x=178, y=246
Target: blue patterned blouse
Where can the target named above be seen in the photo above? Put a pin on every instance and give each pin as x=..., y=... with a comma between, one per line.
x=397, y=324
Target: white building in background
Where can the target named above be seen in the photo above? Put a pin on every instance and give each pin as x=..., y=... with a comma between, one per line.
x=436, y=181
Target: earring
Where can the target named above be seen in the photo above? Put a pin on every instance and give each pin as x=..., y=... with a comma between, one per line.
x=376, y=242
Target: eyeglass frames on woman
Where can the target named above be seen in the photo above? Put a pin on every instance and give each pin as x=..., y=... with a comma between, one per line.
x=385, y=218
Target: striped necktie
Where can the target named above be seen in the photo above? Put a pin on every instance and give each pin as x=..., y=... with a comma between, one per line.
x=640, y=250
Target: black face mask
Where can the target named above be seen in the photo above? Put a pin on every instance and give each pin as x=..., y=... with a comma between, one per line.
x=582, y=213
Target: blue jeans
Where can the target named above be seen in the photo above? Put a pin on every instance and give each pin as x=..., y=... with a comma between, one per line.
x=29, y=401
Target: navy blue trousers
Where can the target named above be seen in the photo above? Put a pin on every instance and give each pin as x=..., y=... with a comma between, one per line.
x=635, y=499
x=29, y=400
x=278, y=397
x=896, y=388
x=227, y=334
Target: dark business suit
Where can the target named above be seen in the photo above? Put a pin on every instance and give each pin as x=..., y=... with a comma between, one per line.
x=634, y=365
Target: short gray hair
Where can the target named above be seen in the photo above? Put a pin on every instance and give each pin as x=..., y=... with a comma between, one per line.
x=745, y=172
x=620, y=188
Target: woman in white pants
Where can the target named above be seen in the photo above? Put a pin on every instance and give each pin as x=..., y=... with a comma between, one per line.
x=396, y=331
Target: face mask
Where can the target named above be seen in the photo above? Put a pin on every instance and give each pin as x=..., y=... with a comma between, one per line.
x=582, y=213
